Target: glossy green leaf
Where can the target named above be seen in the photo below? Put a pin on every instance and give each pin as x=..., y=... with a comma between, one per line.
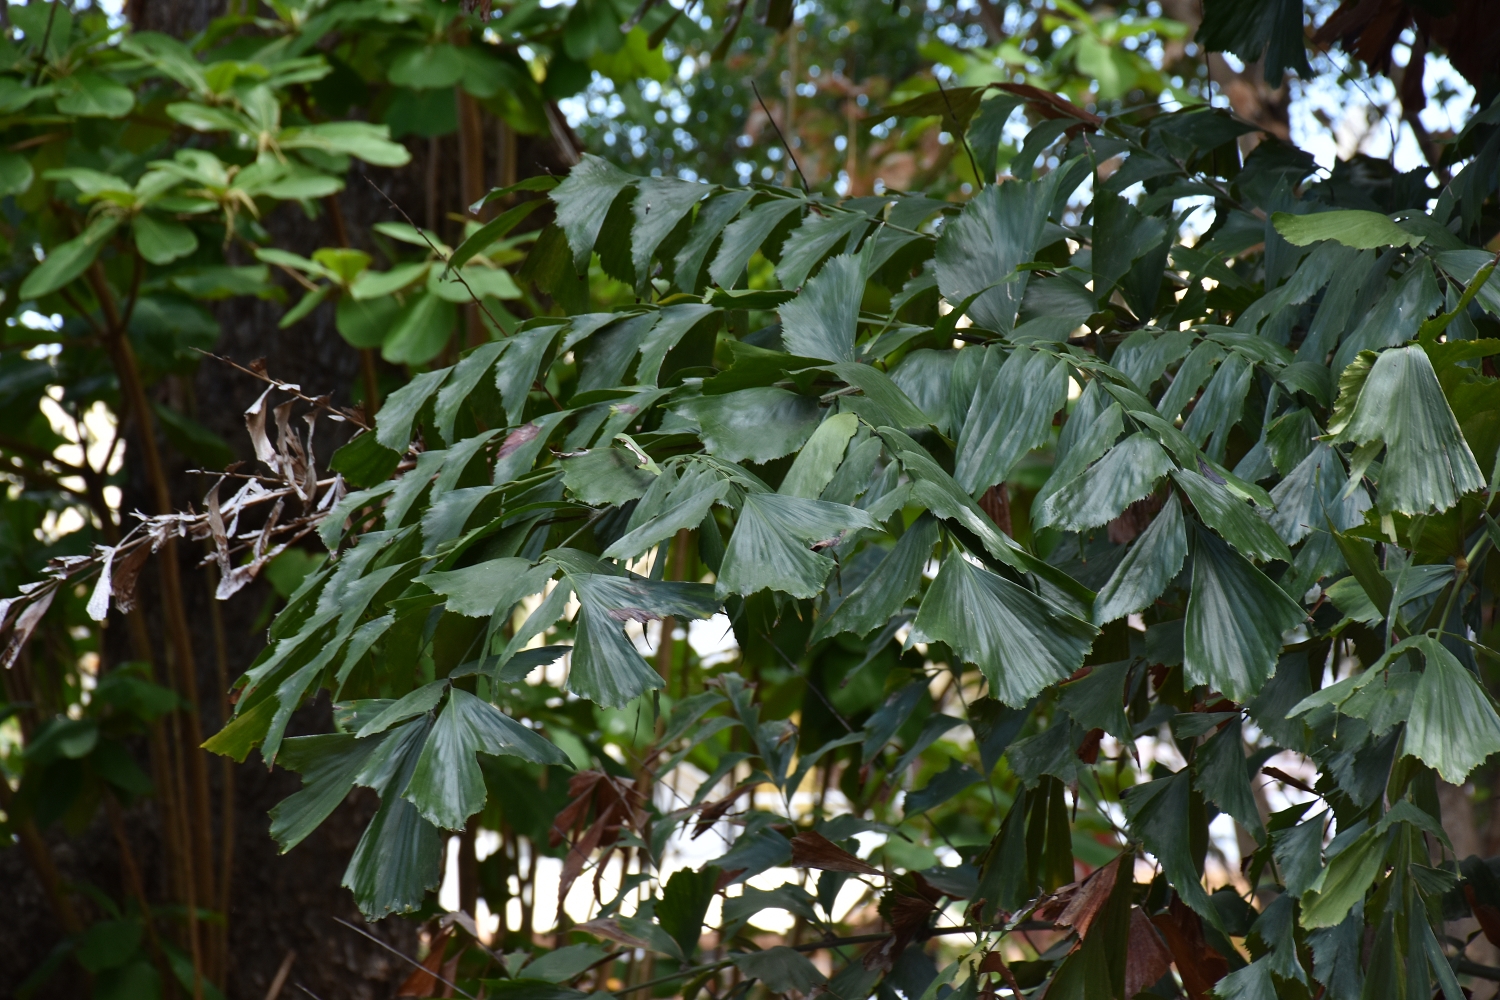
x=1235, y=618
x=1020, y=642
x=420, y=331
x=1157, y=811
x=329, y=765
x=1220, y=772
x=1352, y=227
x=1011, y=415
x=1344, y=881
x=1128, y=472
x=1152, y=563
x=707, y=228
x=1097, y=701
x=821, y=321
x=1453, y=726
x=606, y=667
x=979, y=251
x=815, y=239
x=819, y=458
x=610, y=476
x=583, y=200
x=660, y=204
x=1235, y=521
x=394, y=422
x=446, y=785
x=1427, y=463
x=399, y=857
x=683, y=504
x=745, y=235
x=754, y=424
x=770, y=547
x=885, y=591
x=485, y=588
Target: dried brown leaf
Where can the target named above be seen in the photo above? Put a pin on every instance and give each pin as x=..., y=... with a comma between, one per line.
x=127, y=573
x=26, y=623
x=1090, y=898
x=423, y=981
x=518, y=437
x=1148, y=958
x=255, y=423
x=811, y=849
x=1199, y=965
x=611, y=931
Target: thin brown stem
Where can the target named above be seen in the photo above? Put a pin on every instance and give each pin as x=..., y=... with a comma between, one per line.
x=226, y=782
x=173, y=610
x=135, y=885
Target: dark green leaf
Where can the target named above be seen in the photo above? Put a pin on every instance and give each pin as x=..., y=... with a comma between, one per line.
x=1020, y=642
x=1233, y=519
x=821, y=321
x=684, y=904
x=781, y=969
x=583, y=200
x=814, y=239
x=68, y=260
x=1235, y=618
x=770, y=544
x=606, y=667
x=662, y=202
x=399, y=858
x=1097, y=701
x=446, y=785
x=745, y=235
x=1152, y=563
x=1157, y=812
x=979, y=251
x=1011, y=414
x=1224, y=778
x=754, y=424
x=885, y=591
x=1128, y=472
x=1427, y=463
x=1453, y=726
x=605, y=476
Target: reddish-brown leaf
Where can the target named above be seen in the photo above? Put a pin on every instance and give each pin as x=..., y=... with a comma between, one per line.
x=714, y=811
x=811, y=849
x=1090, y=898
x=1199, y=965
x=1148, y=958
x=1088, y=750
x=518, y=437
x=423, y=981
x=1487, y=915
x=1048, y=104
x=126, y=573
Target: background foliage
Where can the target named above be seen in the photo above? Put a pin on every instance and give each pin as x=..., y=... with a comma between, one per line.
x=1040, y=539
